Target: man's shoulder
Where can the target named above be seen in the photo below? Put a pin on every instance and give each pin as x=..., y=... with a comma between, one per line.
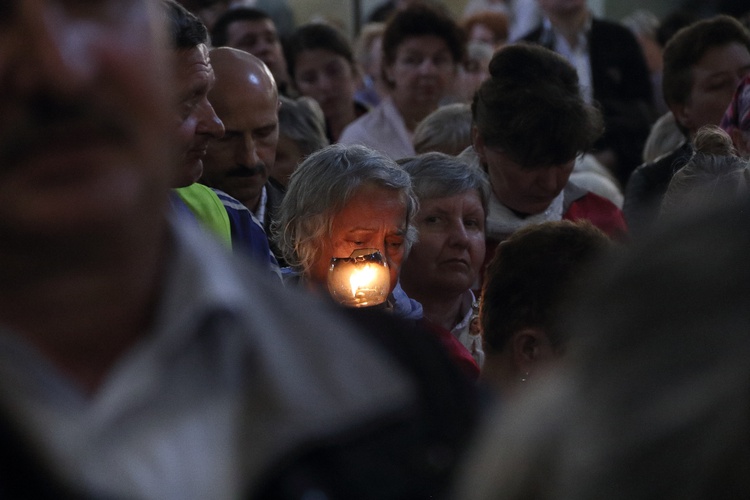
x=247, y=232
x=229, y=202
x=207, y=208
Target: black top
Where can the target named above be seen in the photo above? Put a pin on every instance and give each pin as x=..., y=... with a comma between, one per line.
x=647, y=186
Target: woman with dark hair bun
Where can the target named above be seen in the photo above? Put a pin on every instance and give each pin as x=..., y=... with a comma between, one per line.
x=530, y=125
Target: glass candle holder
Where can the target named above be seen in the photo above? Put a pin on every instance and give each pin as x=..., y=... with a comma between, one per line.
x=360, y=280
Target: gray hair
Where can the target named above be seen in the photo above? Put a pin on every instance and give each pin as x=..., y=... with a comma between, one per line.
x=437, y=175
x=712, y=175
x=445, y=130
x=302, y=121
x=320, y=188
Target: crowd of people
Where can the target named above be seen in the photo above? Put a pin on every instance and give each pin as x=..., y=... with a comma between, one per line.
x=544, y=215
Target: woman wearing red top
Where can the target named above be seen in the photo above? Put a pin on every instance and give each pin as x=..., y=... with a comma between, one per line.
x=530, y=125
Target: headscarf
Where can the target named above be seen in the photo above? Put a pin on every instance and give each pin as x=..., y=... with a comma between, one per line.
x=738, y=112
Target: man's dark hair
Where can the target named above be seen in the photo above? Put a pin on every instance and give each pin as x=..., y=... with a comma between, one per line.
x=689, y=45
x=220, y=31
x=317, y=36
x=422, y=20
x=531, y=107
x=186, y=30
x=530, y=274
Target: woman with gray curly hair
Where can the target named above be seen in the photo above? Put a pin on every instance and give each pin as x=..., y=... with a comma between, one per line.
x=343, y=198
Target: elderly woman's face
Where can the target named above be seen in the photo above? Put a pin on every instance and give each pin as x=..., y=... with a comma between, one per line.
x=375, y=217
x=450, y=250
x=422, y=70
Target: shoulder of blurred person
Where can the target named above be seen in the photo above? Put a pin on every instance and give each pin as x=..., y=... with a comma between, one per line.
x=628, y=396
x=140, y=359
x=411, y=460
x=204, y=315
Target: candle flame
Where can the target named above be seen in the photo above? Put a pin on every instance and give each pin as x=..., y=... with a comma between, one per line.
x=362, y=278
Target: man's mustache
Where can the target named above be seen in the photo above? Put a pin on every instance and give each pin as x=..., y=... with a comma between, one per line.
x=48, y=121
x=247, y=171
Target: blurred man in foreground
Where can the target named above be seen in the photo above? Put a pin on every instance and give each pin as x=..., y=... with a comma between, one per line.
x=137, y=360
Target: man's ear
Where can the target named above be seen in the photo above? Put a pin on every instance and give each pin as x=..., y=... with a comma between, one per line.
x=531, y=346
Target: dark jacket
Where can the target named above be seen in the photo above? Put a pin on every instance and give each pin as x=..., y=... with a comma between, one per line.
x=275, y=194
x=647, y=186
x=414, y=455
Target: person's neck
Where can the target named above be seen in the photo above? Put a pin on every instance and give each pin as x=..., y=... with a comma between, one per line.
x=412, y=113
x=83, y=306
x=570, y=24
x=254, y=204
x=441, y=310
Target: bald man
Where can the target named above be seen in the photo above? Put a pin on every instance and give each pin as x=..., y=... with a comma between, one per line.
x=220, y=213
x=247, y=101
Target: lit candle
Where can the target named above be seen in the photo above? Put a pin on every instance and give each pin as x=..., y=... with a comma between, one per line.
x=360, y=280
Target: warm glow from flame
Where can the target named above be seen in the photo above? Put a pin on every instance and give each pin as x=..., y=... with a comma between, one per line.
x=362, y=278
